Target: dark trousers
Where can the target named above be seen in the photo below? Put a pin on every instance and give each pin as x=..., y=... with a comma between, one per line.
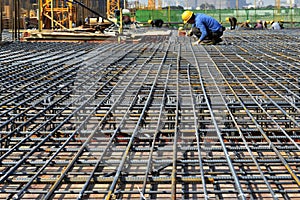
x=213, y=36
x=233, y=23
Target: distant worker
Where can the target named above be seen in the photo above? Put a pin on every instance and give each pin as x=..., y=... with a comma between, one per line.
x=27, y=22
x=275, y=25
x=245, y=25
x=265, y=24
x=126, y=17
x=281, y=24
x=207, y=29
x=259, y=25
x=156, y=23
x=86, y=20
x=232, y=21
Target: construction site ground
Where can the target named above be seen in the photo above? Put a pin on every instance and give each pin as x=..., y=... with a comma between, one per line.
x=152, y=117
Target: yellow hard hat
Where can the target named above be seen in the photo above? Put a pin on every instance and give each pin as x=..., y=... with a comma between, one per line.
x=248, y=21
x=227, y=19
x=186, y=16
x=180, y=28
x=149, y=21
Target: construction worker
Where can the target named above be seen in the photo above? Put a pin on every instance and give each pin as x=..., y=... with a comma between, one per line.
x=232, y=21
x=156, y=23
x=126, y=17
x=259, y=25
x=265, y=24
x=86, y=20
x=281, y=24
x=245, y=25
x=207, y=29
x=275, y=25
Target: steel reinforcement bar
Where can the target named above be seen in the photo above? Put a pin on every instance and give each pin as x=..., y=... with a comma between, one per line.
x=155, y=120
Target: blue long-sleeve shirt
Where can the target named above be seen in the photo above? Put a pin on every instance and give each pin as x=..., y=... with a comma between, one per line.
x=205, y=23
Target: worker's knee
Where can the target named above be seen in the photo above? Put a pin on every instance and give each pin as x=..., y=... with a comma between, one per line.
x=217, y=34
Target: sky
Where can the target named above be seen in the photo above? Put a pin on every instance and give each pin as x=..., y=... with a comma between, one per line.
x=266, y=2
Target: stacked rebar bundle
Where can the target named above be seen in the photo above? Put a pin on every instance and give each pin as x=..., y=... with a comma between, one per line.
x=155, y=120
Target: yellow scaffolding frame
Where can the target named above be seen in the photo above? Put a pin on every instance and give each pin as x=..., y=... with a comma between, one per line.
x=112, y=5
x=61, y=16
x=151, y=4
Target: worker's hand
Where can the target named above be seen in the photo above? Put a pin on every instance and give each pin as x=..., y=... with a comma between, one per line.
x=189, y=33
x=196, y=43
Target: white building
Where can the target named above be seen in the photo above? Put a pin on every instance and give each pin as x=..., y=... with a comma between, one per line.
x=260, y=4
x=291, y=2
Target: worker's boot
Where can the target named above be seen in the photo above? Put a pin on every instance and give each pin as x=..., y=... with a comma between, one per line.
x=207, y=42
x=216, y=40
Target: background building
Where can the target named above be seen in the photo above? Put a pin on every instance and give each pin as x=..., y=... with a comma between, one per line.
x=292, y=3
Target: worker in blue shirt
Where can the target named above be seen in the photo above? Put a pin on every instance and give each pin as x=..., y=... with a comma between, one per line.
x=207, y=29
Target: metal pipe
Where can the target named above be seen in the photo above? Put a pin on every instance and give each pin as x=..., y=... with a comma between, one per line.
x=1, y=19
x=40, y=15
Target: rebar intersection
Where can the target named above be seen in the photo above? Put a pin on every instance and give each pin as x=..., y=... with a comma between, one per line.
x=155, y=120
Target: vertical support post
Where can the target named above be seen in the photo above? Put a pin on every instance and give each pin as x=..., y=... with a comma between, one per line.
x=70, y=15
x=121, y=21
x=18, y=19
x=14, y=20
x=292, y=13
x=169, y=14
x=1, y=19
x=83, y=15
x=40, y=15
x=108, y=9
x=278, y=10
x=52, y=15
x=220, y=16
x=255, y=10
x=237, y=8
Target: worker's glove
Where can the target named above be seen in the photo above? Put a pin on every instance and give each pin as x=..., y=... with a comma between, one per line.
x=204, y=42
x=189, y=33
x=196, y=43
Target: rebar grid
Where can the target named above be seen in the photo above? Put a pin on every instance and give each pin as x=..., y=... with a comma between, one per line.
x=155, y=120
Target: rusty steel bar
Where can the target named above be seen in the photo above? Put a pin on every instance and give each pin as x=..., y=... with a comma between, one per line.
x=156, y=118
